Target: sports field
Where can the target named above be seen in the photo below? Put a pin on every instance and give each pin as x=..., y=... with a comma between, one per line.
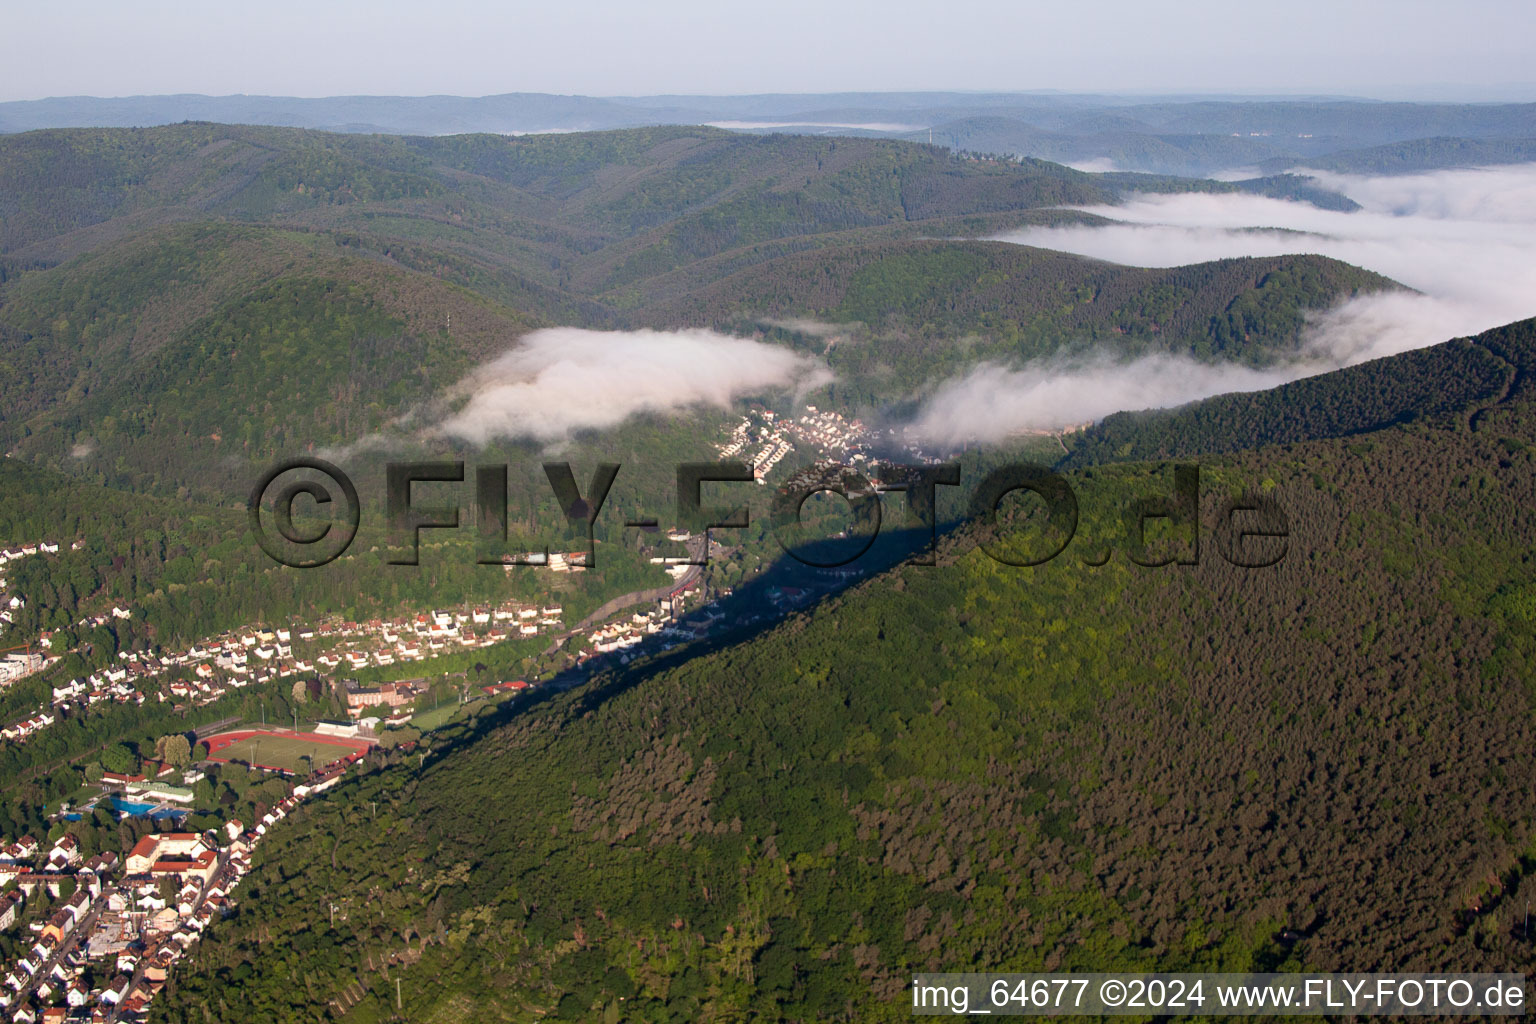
x=283, y=751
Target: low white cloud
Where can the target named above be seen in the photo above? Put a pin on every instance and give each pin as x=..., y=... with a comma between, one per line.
x=1465, y=240
x=1463, y=236
x=562, y=380
x=992, y=402
x=1098, y=165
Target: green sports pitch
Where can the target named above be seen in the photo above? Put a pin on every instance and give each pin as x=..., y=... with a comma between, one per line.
x=297, y=754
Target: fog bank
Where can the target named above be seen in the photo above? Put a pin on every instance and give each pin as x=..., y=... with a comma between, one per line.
x=1464, y=239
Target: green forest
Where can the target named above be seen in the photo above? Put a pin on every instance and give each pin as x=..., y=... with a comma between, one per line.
x=1320, y=765
x=181, y=307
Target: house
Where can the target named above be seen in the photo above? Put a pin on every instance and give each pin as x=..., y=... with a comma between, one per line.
x=319, y=785
x=65, y=852
x=10, y=908
x=22, y=851
x=175, y=854
x=116, y=990
x=165, y=791
x=119, y=779
x=50, y=881
x=60, y=924
x=79, y=905
x=392, y=694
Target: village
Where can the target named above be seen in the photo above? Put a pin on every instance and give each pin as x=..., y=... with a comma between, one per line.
x=623, y=635
x=768, y=439
x=217, y=667
x=100, y=935
x=20, y=660
x=772, y=438
x=214, y=668
x=211, y=669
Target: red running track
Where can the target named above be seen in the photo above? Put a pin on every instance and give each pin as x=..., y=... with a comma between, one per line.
x=222, y=740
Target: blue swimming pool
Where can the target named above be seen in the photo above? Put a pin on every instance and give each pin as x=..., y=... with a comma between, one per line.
x=128, y=807
x=131, y=809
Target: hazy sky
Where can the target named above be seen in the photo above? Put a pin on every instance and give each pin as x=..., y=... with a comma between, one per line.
x=1409, y=48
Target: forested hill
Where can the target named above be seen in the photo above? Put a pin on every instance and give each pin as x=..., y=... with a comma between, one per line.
x=1323, y=764
x=179, y=304
x=599, y=214
x=1015, y=302
x=584, y=211
x=1452, y=380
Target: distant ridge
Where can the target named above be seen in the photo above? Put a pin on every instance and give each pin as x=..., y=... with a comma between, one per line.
x=1160, y=134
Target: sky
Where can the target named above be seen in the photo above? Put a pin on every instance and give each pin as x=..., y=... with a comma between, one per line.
x=1411, y=49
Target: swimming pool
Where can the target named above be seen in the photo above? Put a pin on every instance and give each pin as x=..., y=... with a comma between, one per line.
x=131, y=809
